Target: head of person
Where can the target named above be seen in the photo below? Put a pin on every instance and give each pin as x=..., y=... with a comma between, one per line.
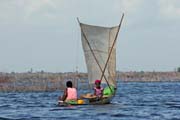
x=97, y=83
x=69, y=84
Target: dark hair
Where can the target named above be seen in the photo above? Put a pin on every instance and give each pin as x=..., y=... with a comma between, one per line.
x=69, y=84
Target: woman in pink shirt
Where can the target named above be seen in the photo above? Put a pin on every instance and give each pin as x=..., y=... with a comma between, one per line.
x=70, y=93
x=98, y=90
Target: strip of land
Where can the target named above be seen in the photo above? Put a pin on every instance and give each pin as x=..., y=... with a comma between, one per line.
x=45, y=81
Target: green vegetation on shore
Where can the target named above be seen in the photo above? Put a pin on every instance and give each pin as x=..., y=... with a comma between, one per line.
x=178, y=69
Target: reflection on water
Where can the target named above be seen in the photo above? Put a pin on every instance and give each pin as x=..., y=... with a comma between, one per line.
x=134, y=101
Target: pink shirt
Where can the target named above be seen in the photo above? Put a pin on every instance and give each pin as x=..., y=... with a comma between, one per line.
x=71, y=94
x=98, y=91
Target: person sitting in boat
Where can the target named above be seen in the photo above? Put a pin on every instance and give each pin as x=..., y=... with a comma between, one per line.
x=70, y=93
x=98, y=90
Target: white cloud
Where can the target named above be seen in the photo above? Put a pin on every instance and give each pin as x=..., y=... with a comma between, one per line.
x=126, y=6
x=170, y=9
x=33, y=6
x=131, y=6
x=37, y=11
x=18, y=11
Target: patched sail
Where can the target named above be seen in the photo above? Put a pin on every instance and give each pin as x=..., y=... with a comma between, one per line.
x=99, y=41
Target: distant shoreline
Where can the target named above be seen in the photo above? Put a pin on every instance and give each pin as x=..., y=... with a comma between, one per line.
x=123, y=76
x=45, y=81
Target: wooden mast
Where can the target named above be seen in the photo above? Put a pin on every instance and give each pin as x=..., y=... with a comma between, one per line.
x=112, y=47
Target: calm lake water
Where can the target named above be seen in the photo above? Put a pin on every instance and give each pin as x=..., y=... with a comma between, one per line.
x=134, y=101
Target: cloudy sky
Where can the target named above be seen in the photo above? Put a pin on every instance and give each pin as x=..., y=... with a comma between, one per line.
x=45, y=35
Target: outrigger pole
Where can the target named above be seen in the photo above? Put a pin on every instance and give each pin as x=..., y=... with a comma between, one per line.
x=92, y=52
x=112, y=48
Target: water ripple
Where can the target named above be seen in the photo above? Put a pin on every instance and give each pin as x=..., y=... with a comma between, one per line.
x=133, y=101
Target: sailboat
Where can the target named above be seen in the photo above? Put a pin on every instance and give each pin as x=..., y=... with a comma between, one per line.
x=99, y=46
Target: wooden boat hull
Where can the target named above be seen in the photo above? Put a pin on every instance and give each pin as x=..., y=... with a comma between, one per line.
x=89, y=101
x=104, y=100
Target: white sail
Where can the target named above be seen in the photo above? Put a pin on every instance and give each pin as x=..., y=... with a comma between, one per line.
x=100, y=39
